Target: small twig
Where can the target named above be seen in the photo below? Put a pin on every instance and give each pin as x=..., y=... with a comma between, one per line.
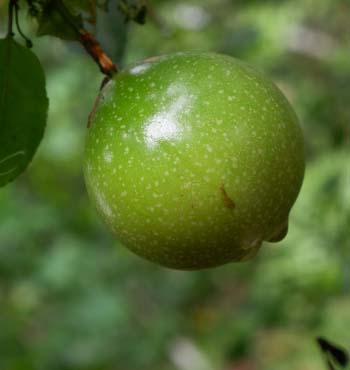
x=91, y=45
x=25, y=38
x=12, y=4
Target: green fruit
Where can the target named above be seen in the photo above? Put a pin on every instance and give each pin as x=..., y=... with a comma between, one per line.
x=193, y=159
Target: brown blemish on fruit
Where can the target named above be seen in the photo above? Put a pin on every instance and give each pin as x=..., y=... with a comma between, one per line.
x=228, y=202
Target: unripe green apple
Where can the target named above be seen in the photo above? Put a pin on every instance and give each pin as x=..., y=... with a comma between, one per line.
x=194, y=159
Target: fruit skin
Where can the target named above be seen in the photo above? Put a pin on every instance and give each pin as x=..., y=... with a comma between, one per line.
x=193, y=159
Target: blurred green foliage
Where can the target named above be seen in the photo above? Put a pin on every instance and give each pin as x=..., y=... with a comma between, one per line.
x=71, y=298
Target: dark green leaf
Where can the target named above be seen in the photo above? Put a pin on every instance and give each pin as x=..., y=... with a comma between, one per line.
x=23, y=108
x=135, y=11
x=103, y=4
x=52, y=23
x=339, y=355
x=82, y=5
x=87, y=7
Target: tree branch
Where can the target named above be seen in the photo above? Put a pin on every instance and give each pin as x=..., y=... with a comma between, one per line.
x=91, y=45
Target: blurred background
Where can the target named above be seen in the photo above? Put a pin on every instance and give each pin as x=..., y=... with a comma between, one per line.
x=72, y=298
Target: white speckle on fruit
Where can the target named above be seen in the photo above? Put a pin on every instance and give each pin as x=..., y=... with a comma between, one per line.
x=108, y=156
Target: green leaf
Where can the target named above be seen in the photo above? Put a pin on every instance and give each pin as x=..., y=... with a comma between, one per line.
x=134, y=10
x=52, y=23
x=83, y=5
x=23, y=108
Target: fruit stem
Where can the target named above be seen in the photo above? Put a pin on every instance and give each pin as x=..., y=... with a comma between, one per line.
x=91, y=45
